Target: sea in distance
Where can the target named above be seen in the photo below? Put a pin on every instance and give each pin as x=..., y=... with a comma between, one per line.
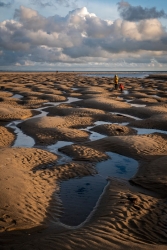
x=135, y=74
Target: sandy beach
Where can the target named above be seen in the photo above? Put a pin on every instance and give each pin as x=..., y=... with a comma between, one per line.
x=88, y=118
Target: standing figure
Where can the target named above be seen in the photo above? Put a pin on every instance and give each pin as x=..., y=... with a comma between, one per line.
x=121, y=86
x=116, y=81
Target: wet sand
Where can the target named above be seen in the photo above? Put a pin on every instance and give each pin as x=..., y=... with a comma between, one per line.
x=129, y=214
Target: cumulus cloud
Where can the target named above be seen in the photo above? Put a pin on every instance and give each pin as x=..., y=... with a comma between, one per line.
x=46, y=3
x=6, y=3
x=79, y=38
x=137, y=13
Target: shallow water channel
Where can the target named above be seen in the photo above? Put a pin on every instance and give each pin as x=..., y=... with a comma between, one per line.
x=80, y=195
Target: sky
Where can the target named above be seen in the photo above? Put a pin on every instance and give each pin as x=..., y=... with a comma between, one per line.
x=83, y=35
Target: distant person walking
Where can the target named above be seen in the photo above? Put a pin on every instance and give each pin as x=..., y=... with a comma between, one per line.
x=116, y=81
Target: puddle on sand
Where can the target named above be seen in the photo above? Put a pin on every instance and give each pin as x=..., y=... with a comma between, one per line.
x=117, y=166
x=69, y=100
x=155, y=96
x=94, y=135
x=141, y=131
x=42, y=114
x=80, y=195
x=22, y=139
x=72, y=99
x=137, y=105
x=17, y=96
x=125, y=92
x=74, y=88
x=125, y=115
x=54, y=149
x=102, y=123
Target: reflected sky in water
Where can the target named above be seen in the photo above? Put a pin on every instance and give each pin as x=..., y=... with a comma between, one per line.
x=80, y=195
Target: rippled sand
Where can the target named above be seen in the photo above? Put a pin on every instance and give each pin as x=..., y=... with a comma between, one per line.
x=129, y=215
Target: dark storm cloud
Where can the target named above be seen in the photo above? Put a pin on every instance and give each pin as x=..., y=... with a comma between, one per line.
x=6, y=3
x=137, y=13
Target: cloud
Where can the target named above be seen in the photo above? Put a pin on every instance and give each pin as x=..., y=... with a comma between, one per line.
x=6, y=3
x=79, y=38
x=54, y=3
x=137, y=13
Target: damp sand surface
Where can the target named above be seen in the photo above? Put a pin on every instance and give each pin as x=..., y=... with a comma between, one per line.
x=54, y=163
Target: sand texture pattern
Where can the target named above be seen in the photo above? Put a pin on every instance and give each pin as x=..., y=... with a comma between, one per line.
x=55, y=128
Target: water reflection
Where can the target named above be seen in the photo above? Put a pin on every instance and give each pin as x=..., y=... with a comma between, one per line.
x=141, y=131
x=137, y=105
x=117, y=166
x=80, y=195
x=62, y=157
x=22, y=140
x=17, y=96
x=126, y=115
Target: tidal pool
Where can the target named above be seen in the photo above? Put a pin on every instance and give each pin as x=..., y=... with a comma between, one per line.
x=22, y=140
x=137, y=105
x=141, y=131
x=117, y=166
x=62, y=157
x=80, y=195
x=126, y=115
x=17, y=96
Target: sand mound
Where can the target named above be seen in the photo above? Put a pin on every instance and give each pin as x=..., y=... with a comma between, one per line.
x=93, y=90
x=81, y=153
x=53, y=97
x=145, y=112
x=114, y=130
x=9, y=113
x=86, y=114
x=48, y=130
x=145, y=100
x=32, y=103
x=138, y=95
x=6, y=137
x=47, y=89
x=26, y=188
x=152, y=177
x=63, y=111
x=5, y=94
x=103, y=103
x=154, y=122
x=139, y=147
